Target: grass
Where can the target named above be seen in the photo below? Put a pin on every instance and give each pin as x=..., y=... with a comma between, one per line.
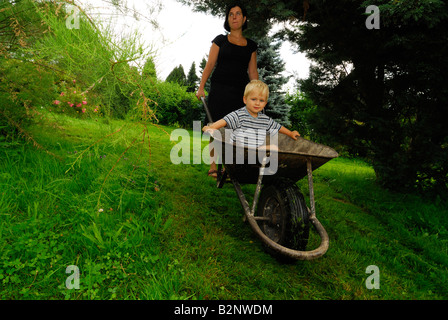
x=140, y=227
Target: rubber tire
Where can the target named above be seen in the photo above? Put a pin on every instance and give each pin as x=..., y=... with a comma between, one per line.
x=283, y=202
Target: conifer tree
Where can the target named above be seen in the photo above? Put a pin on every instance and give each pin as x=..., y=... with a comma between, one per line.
x=177, y=75
x=270, y=67
x=202, y=67
x=149, y=69
x=192, y=78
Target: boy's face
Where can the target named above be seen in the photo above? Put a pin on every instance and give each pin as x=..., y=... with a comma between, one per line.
x=255, y=102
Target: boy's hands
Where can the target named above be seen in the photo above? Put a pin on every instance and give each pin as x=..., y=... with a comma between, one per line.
x=294, y=134
x=208, y=129
x=215, y=126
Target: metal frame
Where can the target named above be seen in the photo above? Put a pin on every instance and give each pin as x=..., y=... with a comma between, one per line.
x=252, y=219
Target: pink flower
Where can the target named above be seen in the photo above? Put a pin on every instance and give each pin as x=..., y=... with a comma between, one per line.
x=57, y=102
x=84, y=110
x=74, y=92
x=79, y=105
x=71, y=104
x=84, y=102
x=74, y=81
x=96, y=110
x=62, y=94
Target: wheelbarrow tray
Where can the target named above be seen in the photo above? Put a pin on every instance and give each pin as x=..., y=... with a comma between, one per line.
x=292, y=155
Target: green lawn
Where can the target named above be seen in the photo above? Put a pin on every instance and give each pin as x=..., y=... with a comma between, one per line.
x=109, y=201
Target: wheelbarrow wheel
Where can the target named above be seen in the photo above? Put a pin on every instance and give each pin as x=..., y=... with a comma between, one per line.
x=286, y=215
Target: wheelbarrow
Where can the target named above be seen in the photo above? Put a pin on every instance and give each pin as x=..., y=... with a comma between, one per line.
x=278, y=214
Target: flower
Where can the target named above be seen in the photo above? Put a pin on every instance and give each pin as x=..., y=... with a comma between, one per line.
x=62, y=94
x=57, y=102
x=100, y=210
x=74, y=81
x=79, y=105
x=84, y=110
x=84, y=102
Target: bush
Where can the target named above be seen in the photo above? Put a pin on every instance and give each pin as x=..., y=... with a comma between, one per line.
x=299, y=114
x=175, y=106
x=24, y=86
x=72, y=101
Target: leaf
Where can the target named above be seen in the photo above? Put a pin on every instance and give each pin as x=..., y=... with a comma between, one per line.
x=97, y=234
x=167, y=224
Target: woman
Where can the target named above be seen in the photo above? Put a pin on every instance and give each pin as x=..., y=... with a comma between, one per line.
x=234, y=60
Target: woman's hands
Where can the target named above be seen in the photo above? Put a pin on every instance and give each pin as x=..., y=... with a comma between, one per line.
x=200, y=93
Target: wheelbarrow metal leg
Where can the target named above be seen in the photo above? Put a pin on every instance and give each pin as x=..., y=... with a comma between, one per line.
x=247, y=210
x=310, y=186
x=241, y=196
x=258, y=188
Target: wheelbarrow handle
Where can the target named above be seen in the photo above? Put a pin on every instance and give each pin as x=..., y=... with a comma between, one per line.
x=209, y=116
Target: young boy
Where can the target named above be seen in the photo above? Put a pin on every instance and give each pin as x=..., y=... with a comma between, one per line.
x=249, y=125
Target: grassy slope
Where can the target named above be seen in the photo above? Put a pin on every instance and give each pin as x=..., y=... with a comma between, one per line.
x=166, y=232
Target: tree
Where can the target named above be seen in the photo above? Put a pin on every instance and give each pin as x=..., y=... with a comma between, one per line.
x=177, y=75
x=301, y=109
x=192, y=78
x=270, y=68
x=149, y=69
x=202, y=67
x=261, y=13
x=379, y=92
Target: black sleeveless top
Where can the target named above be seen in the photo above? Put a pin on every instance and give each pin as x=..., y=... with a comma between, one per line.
x=233, y=61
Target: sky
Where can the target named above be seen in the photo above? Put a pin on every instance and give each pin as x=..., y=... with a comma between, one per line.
x=183, y=36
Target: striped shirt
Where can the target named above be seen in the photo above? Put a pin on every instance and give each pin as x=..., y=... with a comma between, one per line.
x=250, y=131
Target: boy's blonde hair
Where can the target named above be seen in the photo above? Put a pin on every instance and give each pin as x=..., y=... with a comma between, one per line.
x=258, y=85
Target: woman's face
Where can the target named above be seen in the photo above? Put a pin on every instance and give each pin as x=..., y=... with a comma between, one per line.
x=236, y=19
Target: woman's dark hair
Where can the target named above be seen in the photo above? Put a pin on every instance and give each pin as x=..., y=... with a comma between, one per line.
x=243, y=10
